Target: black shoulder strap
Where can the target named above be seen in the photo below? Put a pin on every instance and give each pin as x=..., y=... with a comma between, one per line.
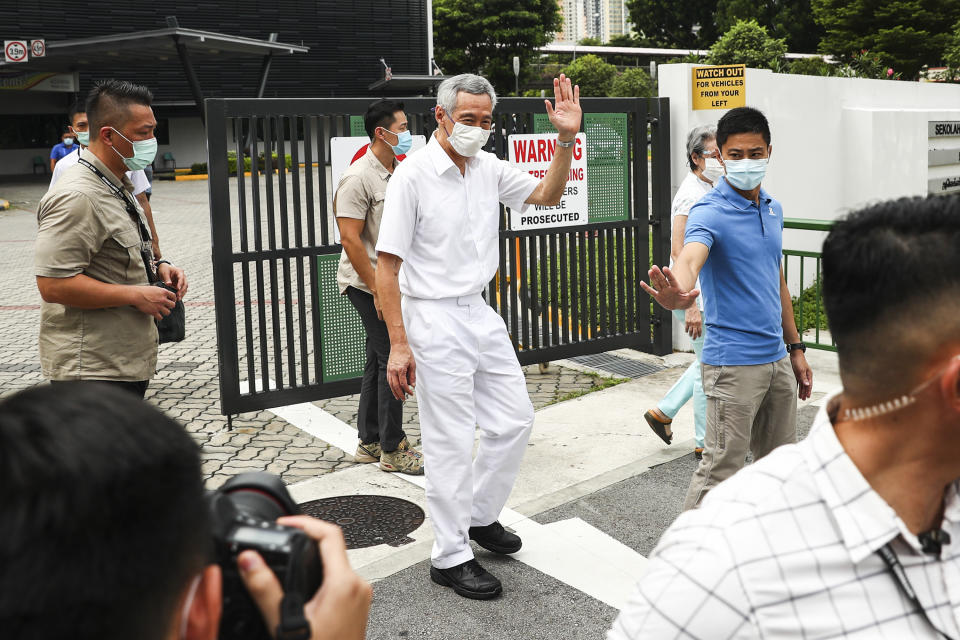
x=134, y=215
x=900, y=575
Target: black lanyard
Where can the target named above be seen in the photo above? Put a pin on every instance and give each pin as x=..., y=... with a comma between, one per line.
x=145, y=252
x=900, y=575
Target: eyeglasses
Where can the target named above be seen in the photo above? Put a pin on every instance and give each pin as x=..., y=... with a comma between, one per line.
x=889, y=406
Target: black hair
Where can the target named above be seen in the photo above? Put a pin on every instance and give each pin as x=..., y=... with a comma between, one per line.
x=742, y=120
x=103, y=519
x=381, y=113
x=109, y=100
x=75, y=108
x=896, y=260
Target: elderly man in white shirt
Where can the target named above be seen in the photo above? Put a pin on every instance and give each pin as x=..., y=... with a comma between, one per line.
x=438, y=247
x=855, y=531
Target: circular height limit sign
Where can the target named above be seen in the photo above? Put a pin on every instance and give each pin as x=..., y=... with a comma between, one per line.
x=15, y=50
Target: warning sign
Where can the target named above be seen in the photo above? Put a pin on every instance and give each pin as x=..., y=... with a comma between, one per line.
x=719, y=87
x=533, y=154
x=15, y=50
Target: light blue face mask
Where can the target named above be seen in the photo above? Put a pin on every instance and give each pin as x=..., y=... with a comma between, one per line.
x=144, y=151
x=83, y=137
x=404, y=142
x=746, y=174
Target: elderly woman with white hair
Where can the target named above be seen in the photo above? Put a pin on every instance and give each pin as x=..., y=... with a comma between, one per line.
x=705, y=170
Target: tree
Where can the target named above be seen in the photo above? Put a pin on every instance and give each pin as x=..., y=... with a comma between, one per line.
x=904, y=34
x=791, y=20
x=810, y=67
x=594, y=76
x=634, y=82
x=951, y=54
x=686, y=24
x=748, y=43
x=483, y=36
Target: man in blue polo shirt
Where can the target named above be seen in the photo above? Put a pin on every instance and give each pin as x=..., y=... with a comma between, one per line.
x=734, y=242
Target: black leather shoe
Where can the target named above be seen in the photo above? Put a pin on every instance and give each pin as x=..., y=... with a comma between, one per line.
x=469, y=580
x=494, y=537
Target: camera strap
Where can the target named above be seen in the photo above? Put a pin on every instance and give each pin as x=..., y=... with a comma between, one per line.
x=900, y=575
x=146, y=246
x=293, y=624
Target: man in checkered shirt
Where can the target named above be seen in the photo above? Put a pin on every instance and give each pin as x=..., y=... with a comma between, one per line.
x=846, y=534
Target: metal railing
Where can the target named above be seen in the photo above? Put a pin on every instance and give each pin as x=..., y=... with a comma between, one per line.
x=808, y=303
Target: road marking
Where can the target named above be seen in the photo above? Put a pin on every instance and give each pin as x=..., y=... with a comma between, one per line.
x=571, y=551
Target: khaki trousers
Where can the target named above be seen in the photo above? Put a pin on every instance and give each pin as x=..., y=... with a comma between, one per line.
x=749, y=408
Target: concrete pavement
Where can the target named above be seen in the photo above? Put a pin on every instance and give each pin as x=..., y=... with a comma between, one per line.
x=595, y=491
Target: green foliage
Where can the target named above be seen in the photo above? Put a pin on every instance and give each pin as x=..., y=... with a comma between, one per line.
x=748, y=43
x=594, y=76
x=810, y=67
x=201, y=167
x=679, y=24
x=633, y=82
x=951, y=54
x=867, y=65
x=903, y=34
x=590, y=42
x=791, y=20
x=808, y=311
x=483, y=36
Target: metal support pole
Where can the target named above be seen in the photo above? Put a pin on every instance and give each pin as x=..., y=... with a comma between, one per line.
x=191, y=77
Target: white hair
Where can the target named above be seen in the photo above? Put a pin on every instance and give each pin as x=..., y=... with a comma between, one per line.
x=697, y=141
x=450, y=88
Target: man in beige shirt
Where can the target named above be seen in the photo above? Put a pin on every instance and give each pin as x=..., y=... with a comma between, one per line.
x=358, y=205
x=92, y=256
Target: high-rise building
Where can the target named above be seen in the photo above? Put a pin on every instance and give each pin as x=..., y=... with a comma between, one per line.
x=595, y=18
x=574, y=23
x=616, y=19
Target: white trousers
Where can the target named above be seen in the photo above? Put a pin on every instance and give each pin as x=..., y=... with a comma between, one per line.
x=467, y=376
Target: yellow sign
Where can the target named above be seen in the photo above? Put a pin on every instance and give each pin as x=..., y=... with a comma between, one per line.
x=719, y=87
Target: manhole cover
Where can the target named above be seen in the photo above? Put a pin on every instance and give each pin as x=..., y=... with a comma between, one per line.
x=368, y=520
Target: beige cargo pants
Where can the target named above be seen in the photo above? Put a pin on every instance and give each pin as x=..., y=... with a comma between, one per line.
x=749, y=408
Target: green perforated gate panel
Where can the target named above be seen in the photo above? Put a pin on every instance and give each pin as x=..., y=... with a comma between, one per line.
x=608, y=163
x=356, y=126
x=342, y=333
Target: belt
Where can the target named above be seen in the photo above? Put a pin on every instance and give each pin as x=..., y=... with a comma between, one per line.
x=461, y=301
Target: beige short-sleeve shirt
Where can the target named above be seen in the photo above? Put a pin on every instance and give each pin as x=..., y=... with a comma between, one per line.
x=84, y=228
x=360, y=196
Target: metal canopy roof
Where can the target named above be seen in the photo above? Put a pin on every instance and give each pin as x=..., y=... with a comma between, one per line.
x=157, y=44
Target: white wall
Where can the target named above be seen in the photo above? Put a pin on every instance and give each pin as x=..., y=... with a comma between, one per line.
x=838, y=143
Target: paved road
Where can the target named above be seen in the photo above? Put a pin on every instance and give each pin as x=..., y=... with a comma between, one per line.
x=596, y=491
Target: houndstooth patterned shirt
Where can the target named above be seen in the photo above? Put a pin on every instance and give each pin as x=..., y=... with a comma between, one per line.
x=787, y=548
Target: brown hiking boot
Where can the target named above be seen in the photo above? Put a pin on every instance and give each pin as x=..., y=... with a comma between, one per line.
x=404, y=460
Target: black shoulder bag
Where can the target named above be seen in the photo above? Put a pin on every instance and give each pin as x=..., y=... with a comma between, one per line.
x=173, y=327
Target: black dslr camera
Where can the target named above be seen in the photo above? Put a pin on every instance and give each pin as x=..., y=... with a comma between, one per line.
x=244, y=513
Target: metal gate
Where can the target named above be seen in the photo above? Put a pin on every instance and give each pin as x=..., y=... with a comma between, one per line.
x=284, y=333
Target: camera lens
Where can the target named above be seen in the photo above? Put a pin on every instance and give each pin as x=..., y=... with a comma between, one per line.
x=262, y=496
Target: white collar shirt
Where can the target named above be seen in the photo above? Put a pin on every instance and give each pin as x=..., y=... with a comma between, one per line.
x=444, y=225
x=787, y=548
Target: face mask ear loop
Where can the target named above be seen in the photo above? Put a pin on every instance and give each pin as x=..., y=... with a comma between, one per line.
x=187, y=605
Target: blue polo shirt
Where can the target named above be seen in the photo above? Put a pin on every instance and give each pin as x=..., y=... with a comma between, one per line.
x=60, y=150
x=741, y=278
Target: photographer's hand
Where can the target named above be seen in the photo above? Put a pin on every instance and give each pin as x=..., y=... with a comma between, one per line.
x=339, y=609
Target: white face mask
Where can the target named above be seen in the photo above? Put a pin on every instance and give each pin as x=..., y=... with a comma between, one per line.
x=466, y=140
x=713, y=170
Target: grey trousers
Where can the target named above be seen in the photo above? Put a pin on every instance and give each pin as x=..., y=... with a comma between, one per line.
x=749, y=408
